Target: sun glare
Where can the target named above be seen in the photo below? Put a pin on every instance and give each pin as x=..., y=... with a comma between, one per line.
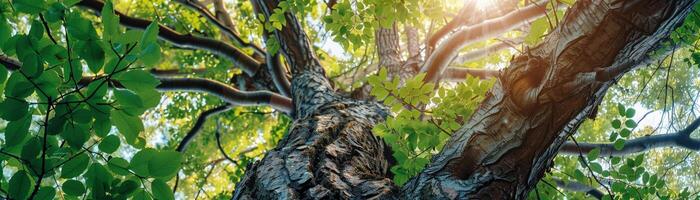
x=484, y=4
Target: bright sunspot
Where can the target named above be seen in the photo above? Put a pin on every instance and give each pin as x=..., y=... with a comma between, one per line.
x=484, y=4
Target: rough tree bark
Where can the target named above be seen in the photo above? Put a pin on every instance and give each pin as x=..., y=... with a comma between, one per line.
x=390, y=58
x=505, y=147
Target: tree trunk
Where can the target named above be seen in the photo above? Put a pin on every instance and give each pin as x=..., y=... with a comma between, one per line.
x=500, y=153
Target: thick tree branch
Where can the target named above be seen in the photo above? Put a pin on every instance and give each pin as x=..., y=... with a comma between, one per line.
x=468, y=15
x=460, y=73
x=274, y=65
x=227, y=93
x=223, y=91
x=294, y=44
x=278, y=74
x=480, y=53
x=310, y=86
x=679, y=139
x=456, y=73
x=249, y=65
x=440, y=59
x=579, y=187
x=228, y=30
x=199, y=124
x=176, y=72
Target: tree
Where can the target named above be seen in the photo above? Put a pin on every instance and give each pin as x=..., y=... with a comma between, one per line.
x=308, y=129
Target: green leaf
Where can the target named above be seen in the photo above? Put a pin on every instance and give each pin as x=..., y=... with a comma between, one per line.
x=129, y=126
x=97, y=90
x=3, y=75
x=109, y=144
x=56, y=125
x=70, y=2
x=18, y=86
x=19, y=185
x=82, y=115
x=31, y=149
x=5, y=31
x=46, y=193
x=56, y=12
x=32, y=66
x=75, y=135
x=54, y=54
x=630, y=113
x=579, y=176
x=595, y=167
x=37, y=30
x=29, y=6
x=537, y=30
x=625, y=132
x=593, y=154
x=630, y=123
x=149, y=35
x=73, y=188
x=613, y=136
x=76, y=166
x=17, y=131
x=119, y=166
x=127, y=187
x=80, y=28
x=150, y=55
x=149, y=97
x=619, y=144
x=621, y=109
x=618, y=187
x=161, y=190
x=103, y=124
x=165, y=164
x=99, y=179
x=139, y=163
x=138, y=80
x=73, y=71
x=616, y=124
x=110, y=21
x=129, y=102
x=141, y=194
x=92, y=53
x=12, y=109
x=49, y=83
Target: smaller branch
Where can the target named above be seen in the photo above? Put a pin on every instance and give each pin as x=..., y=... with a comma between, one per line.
x=277, y=71
x=225, y=27
x=221, y=148
x=679, y=139
x=227, y=93
x=223, y=91
x=452, y=25
x=579, y=187
x=440, y=59
x=199, y=124
x=459, y=74
x=176, y=72
x=10, y=63
x=480, y=53
x=279, y=74
x=238, y=57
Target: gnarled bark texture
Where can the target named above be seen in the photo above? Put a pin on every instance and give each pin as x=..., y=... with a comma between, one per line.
x=500, y=153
